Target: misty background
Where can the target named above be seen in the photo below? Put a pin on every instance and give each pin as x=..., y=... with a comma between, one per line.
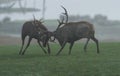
x=104, y=14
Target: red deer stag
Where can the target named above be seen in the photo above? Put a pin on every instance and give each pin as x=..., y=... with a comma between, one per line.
x=34, y=29
x=73, y=31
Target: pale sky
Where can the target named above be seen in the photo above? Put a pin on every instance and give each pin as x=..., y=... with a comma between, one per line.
x=87, y=7
x=109, y=8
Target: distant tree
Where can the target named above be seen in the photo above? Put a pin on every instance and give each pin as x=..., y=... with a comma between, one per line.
x=44, y=9
x=97, y=19
x=100, y=19
x=86, y=18
x=6, y=19
x=73, y=18
x=8, y=6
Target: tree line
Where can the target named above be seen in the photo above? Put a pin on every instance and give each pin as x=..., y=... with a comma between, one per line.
x=98, y=19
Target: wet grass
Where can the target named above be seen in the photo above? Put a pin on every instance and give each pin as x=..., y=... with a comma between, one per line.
x=79, y=63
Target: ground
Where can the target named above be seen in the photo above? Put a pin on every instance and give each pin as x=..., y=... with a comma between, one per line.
x=79, y=63
x=9, y=40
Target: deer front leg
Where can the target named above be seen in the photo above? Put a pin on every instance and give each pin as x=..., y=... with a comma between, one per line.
x=41, y=47
x=48, y=46
x=27, y=45
x=70, y=48
x=63, y=45
x=85, y=47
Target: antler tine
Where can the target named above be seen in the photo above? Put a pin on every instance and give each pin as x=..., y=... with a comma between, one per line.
x=34, y=23
x=34, y=17
x=65, y=14
x=60, y=23
x=62, y=20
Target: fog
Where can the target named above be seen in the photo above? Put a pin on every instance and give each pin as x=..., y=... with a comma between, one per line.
x=109, y=8
x=87, y=10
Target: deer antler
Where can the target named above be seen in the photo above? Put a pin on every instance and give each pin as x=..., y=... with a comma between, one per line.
x=34, y=17
x=62, y=22
x=34, y=20
x=66, y=14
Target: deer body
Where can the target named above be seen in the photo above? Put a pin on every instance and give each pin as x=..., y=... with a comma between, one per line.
x=29, y=29
x=33, y=29
x=73, y=31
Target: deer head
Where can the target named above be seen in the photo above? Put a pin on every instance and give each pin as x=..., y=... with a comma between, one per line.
x=62, y=22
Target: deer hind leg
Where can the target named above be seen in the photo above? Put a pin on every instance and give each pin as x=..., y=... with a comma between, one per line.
x=41, y=47
x=48, y=48
x=85, y=46
x=27, y=45
x=23, y=41
x=70, y=48
x=97, y=43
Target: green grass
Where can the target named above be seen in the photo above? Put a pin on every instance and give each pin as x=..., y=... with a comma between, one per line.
x=79, y=63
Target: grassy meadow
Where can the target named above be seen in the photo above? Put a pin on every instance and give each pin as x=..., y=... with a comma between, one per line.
x=79, y=63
